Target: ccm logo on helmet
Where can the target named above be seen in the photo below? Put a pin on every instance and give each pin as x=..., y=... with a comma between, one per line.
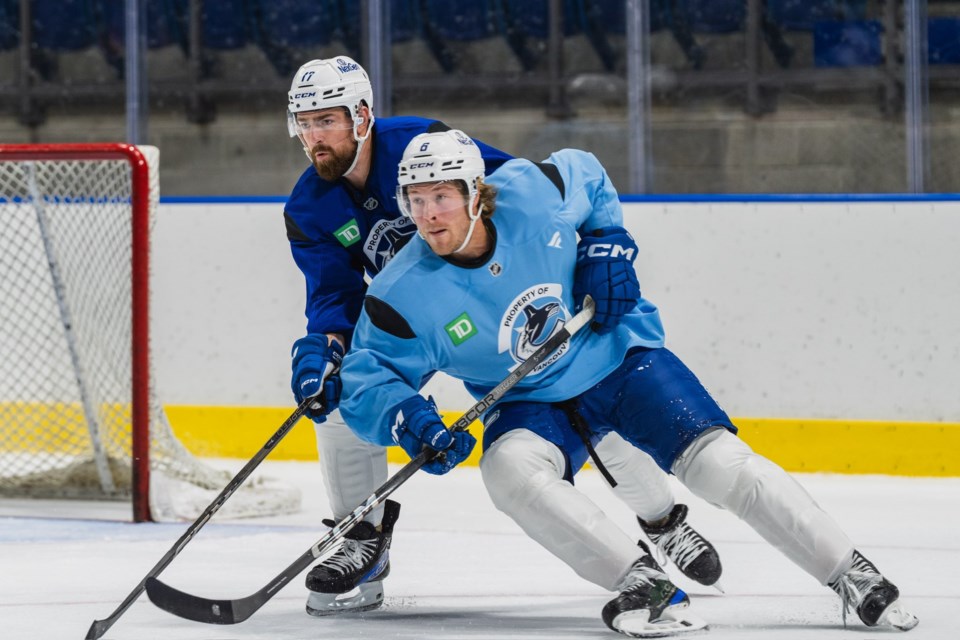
x=421, y=165
x=304, y=95
x=605, y=250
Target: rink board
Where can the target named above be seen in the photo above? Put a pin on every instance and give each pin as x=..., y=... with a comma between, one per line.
x=839, y=446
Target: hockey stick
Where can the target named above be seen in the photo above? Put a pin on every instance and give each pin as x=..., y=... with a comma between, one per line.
x=237, y=610
x=100, y=627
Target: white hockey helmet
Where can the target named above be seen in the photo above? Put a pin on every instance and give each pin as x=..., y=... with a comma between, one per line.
x=324, y=84
x=440, y=157
x=445, y=155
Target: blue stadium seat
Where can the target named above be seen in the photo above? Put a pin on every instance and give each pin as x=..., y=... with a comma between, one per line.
x=404, y=18
x=404, y=23
x=943, y=38
x=711, y=16
x=850, y=43
x=802, y=15
x=463, y=20
x=598, y=19
x=296, y=23
x=611, y=15
x=64, y=25
x=224, y=24
x=524, y=19
x=9, y=24
x=279, y=26
x=162, y=28
x=532, y=17
x=459, y=21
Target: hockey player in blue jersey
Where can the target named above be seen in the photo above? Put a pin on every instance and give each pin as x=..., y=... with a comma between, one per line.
x=498, y=265
x=343, y=223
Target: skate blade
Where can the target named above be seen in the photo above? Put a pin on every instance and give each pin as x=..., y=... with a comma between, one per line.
x=716, y=585
x=673, y=622
x=898, y=617
x=363, y=598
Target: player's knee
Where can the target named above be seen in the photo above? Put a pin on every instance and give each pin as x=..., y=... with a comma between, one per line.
x=615, y=452
x=517, y=467
x=334, y=433
x=722, y=469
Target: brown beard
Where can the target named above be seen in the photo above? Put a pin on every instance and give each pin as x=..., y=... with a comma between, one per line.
x=335, y=165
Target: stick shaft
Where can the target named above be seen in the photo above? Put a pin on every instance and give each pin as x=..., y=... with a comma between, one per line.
x=99, y=627
x=237, y=610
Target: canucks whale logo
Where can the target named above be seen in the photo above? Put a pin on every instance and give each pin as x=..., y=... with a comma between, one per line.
x=531, y=319
x=386, y=238
x=541, y=323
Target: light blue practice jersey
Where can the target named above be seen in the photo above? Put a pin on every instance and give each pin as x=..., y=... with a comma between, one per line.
x=478, y=323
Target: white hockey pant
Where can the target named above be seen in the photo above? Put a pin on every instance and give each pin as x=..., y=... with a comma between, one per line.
x=720, y=468
x=352, y=468
x=641, y=484
x=523, y=474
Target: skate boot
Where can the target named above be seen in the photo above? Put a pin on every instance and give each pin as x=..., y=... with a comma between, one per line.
x=649, y=605
x=352, y=578
x=874, y=598
x=692, y=554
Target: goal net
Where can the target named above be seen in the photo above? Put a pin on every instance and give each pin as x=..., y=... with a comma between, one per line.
x=79, y=417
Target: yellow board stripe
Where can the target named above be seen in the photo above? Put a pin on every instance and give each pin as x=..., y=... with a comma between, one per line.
x=837, y=446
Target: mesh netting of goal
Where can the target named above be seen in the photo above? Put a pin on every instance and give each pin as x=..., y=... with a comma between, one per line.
x=79, y=417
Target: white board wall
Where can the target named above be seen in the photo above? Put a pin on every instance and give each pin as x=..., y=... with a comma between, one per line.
x=822, y=310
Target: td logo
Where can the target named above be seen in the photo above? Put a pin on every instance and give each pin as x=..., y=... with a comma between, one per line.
x=460, y=329
x=348, y=234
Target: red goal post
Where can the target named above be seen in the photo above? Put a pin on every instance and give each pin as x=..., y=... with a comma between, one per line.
x=79, y=416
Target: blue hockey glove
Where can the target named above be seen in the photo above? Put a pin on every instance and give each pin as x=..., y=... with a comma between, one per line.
x=417, y=425
x=316, y=366
x=605, y=272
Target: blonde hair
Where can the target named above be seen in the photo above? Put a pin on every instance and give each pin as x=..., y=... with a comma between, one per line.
x=488, y=198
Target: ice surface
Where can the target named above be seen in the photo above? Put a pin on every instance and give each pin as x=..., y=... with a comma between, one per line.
x=460, y=569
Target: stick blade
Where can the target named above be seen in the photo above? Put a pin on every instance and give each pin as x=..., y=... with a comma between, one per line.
x=97, y=629
x=192, y=607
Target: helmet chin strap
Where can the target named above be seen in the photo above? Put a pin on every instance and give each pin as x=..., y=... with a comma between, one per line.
x=360, y=141
x=473, y=225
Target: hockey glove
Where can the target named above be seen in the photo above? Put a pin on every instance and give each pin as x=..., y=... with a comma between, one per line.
x=605, y=272
x=316, y=367
x=417, y=425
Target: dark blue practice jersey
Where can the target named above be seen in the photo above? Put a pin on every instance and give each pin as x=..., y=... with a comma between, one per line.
x=337, y=233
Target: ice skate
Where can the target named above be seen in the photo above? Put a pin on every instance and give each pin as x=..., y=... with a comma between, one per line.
x=874, y=598
x=694, y=556
x=352, y=578
x=649, y=605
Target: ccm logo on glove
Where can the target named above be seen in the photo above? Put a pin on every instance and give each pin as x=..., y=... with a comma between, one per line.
x=606, y=251
x=605, y=272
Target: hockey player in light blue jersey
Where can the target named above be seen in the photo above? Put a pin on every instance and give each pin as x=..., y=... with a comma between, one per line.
x=498, y=265
x=344, y=226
